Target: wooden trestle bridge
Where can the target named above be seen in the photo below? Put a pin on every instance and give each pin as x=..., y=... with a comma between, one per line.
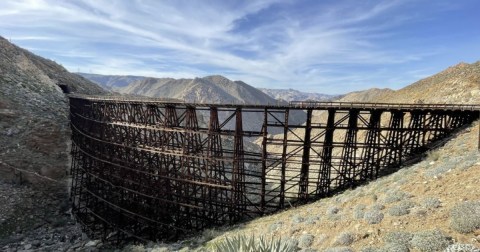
x=155, y=169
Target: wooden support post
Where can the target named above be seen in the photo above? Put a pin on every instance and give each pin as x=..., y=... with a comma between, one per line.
x=324, y=180
x=264, y=160
x=284, y=159
x=303, y=185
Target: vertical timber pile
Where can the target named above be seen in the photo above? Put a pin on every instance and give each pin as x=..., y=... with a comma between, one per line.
x=371, y=162
x=303, y=192
x=238, y=204
x=149, y=170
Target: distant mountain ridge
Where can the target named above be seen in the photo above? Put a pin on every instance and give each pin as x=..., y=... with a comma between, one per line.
x=120, y=82
x=214, y=89
x=296, y=95
x=210, y=89
x=111, y=82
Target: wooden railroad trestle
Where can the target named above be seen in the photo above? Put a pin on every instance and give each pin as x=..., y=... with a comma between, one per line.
x=154, y=169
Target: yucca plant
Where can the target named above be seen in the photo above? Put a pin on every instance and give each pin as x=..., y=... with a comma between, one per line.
x=243, y=243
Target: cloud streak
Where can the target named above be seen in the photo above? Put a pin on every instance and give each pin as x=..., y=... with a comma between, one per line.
x=265, y=43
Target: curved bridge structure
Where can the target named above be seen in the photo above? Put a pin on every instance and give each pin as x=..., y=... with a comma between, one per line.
x=156, y=169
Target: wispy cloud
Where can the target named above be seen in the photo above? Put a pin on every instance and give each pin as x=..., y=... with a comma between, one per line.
x=265, y=43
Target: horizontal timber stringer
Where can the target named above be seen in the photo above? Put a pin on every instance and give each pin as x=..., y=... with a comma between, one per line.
x=152, y=169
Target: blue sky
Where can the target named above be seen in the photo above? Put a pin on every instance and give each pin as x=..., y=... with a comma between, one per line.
x=326, y=46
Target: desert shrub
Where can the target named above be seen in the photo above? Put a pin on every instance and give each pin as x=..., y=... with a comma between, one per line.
x=332, y=210
x=377, y=206
x=457, y=247
x=312, y=219
x=395, y=195
x=403, y=181
x=399, y=237
x=305, y=240
x=402, y=208
x=395, y=247
x=398, y=210
x=440, y=169
x=294, y=229
x=165, y=249
x=308, y=250
x=345, y=239
x=250, y=244
x=321, y=238
x=334, y=217
x=209, y=234
x=297, y=219
x=421, y=212
x=430, y=241
x=339, y=249
x=431, y=203
x=407, y=203
x=452, y=163
x=359, y=211
x=465, y=217
x=433, y=155
x=275, y=226
x=370, y=249
x=373, y=217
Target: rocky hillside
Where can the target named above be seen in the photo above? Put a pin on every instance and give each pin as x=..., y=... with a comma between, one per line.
x=295, y=95
x=430, y=206
x=34, y=139
x=33, y=112
x=456, y=84
x=369, y=95
x=111, y=82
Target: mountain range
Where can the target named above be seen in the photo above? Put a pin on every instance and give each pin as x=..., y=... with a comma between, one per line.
x=210, y=89
x=178, y=88
x=214, y=89
x=295, y=95
x=111, y=82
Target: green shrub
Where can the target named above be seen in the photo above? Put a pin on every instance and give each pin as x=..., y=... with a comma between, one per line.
x=244, y=243
x=430, y=241
x=465, y=217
